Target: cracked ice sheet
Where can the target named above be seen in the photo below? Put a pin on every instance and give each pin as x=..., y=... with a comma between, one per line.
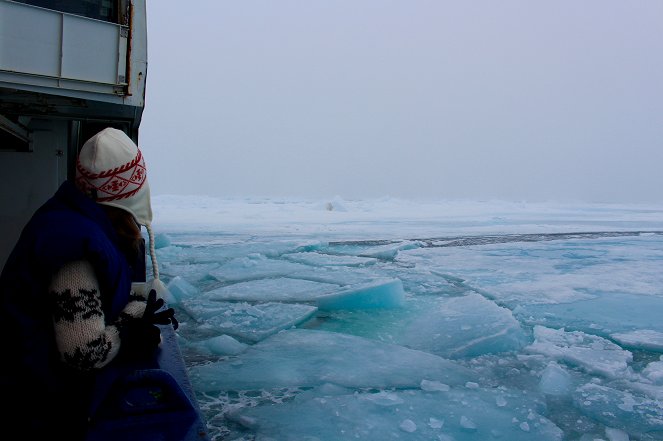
x=304, y=358
x=383, y=252
x=646, y=339
x=242, y=320
x=604, y=316
x=638, y=415
x=278, y=289
x=337, y=275
x=452, y=327
x=254, y=266
x=550, y=272
x=330, y=413
x=193, y=272
x=379, y=293
x=464, y=326
x=320, y=259
x=259, y=267
x=594, y=354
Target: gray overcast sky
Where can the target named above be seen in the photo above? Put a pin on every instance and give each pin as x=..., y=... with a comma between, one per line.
x=516, y=99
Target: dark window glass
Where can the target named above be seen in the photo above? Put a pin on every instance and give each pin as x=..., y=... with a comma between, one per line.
x=107, y=10
x=9, y=142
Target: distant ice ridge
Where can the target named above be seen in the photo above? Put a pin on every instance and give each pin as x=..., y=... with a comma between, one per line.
x=551, y=339
x=393, y=217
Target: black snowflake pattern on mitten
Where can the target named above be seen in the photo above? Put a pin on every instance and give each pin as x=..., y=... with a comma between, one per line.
x=90, y=355
x=84, y=305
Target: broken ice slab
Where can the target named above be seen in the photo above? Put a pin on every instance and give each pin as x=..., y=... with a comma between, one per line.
x=465, y=326
x=602, y=315
x=592, y=353
x=180, y=289
x=378, y=294
x=446, y=326
x=387, y=251
x=245, y=321
x=452, y=414
x=645, y=339
x=255, y=266
x=555, y=380
x=169, y=253
x=654, y=372
x=193, y=272
x=319, y=259
x=640, y=416
x=277, y=289
x=335, y=274
x=219, y=345
x=305, y=358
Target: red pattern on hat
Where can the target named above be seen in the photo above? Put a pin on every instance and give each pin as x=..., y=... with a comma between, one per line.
x=117, y=183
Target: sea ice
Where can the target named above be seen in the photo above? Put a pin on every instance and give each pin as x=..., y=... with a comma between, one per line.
x=254, y=266
x=319, y=259
x=378, y=294
x=469, y=325
x=555, y=380
x=468, y=415
x=592, y=353
x=646, y=339
x=603, y=315
x=624, y=410
x=507, y=322
x=245, y=321
x=273, y=289
x=301, y=357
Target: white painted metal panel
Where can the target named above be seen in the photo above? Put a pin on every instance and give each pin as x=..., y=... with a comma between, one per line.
x=66, y=51
x=90, y=50
x=29, y=40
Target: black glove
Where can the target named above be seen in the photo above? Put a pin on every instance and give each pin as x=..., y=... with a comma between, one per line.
x=139, y=337
x=152, y=314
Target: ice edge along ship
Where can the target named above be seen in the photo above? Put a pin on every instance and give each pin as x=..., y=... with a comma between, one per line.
x=67, y=70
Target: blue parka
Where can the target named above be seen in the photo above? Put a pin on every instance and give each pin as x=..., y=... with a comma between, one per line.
x=34, y=383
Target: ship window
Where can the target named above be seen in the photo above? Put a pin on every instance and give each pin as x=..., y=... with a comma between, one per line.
x=14, y=136
x=11, y=143
x=107, y=10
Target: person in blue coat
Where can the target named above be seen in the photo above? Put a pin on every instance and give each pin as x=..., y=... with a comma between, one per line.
x=70, y=316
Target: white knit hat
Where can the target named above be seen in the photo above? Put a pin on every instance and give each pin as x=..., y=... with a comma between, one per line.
x=111, y=170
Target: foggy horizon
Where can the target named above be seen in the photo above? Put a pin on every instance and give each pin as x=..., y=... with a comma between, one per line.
x=416, y=100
